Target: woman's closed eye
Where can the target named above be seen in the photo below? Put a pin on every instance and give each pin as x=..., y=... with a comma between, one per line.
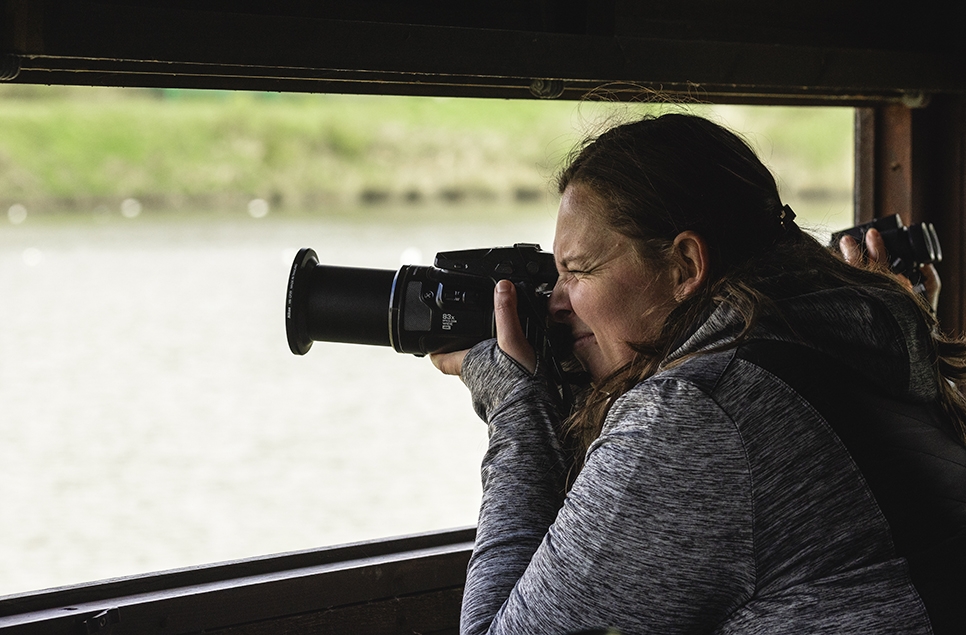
x=575, y=270
x=570, y=275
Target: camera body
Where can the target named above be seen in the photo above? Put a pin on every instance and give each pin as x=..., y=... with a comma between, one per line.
x=449, y=306
x=909, y=247
x=418, y=309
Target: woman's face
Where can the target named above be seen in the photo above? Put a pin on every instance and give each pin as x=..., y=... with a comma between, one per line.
x=606, y=293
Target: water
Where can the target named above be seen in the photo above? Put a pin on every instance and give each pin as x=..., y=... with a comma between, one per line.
x=152, y=417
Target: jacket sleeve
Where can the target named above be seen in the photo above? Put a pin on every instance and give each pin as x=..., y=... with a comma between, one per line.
x=655, y=535
x=523, y=476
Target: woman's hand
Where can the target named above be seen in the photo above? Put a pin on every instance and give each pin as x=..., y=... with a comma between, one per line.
x=509, y=334
x=876, y=250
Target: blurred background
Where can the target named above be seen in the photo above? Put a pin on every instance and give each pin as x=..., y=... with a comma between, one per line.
x=151, y=415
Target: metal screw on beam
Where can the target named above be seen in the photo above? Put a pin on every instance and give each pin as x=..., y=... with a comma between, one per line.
x=915, y=99
x=9, y=67
x=101, y=623
x=547, y=88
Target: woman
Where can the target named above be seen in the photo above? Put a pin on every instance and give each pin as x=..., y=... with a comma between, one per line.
x=772, y=441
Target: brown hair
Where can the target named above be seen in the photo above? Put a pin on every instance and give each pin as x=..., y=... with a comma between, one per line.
x=663, y=175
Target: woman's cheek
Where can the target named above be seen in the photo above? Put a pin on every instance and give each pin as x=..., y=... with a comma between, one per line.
x=580, y=298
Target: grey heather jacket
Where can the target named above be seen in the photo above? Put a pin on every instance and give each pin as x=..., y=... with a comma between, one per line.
x=734, y=492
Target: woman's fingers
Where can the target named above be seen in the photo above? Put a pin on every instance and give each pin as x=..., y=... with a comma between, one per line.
x=449, y=363
x=875, y=247
x=509, y=332
x=850, y=251
x=932, y=284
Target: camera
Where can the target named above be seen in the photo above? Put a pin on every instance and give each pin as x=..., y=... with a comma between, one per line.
x=419, y=309
x=909, y=247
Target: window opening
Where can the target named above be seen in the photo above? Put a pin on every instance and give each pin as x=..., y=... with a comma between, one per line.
x=153, y=416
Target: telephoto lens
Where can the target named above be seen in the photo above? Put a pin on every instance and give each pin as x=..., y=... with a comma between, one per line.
x=417, y=309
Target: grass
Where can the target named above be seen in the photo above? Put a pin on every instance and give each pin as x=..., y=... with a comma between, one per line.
x=78, y=147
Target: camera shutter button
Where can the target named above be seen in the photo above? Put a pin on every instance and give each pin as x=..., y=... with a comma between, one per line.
x=504, y=268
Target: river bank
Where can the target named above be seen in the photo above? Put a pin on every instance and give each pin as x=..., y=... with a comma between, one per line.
x=132, y=151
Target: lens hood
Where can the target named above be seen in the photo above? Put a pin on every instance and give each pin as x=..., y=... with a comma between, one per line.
x=295, y=299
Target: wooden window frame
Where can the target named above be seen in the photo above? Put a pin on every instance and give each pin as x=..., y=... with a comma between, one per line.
x=400, y=585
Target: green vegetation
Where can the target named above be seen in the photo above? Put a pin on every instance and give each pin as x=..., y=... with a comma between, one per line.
x=73, y=148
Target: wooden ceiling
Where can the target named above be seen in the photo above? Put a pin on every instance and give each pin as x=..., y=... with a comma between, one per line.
x=753, y=51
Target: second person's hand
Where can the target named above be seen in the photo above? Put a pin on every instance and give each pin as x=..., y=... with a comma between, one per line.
x=876, y=252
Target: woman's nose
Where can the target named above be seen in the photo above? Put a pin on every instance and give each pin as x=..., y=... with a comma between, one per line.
x=559, y=304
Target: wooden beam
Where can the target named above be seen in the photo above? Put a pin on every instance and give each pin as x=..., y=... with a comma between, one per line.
x=939, y=196
x=435, y=613
x=415, y=581
x=252, y=47
x=865, y=165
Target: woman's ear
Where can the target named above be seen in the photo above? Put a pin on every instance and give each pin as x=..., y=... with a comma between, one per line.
x=694, y=263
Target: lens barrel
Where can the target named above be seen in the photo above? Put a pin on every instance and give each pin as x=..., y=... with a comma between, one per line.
x=336, y=304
